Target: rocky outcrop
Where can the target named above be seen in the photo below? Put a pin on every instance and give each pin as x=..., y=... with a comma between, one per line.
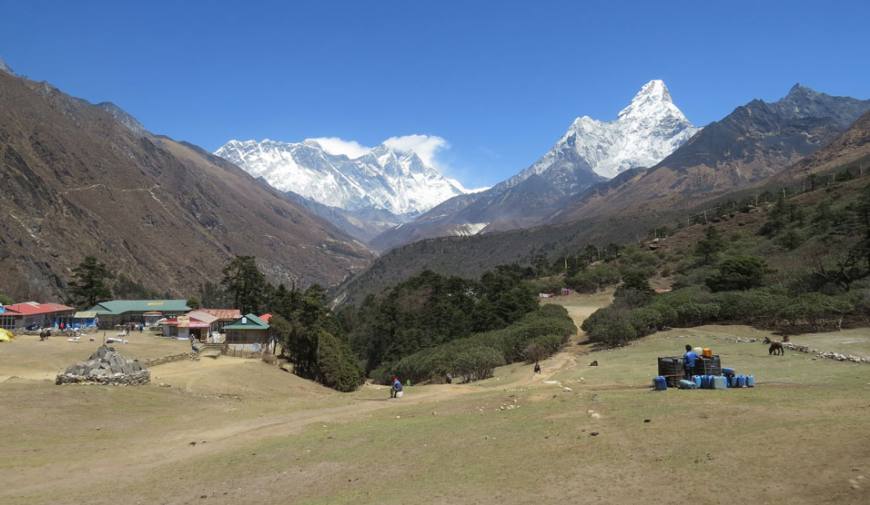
x=106, y=366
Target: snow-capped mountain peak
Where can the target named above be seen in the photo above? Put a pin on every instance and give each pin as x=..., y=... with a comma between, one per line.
x=652, y=99
x=644, y=132
x=345, y=174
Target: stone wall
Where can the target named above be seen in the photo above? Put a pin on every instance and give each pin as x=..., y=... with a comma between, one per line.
x=170, y=359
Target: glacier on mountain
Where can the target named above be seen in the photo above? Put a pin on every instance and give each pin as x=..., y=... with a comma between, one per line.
x=392, y=176
x=645, y=132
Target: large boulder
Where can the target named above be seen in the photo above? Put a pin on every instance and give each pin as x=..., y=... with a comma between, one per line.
x=105, y=366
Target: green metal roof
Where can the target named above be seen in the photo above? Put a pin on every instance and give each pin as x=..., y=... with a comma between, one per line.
x=116, y=307
x=248, y=322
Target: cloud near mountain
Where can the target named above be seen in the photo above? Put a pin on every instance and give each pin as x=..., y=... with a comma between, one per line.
x=424, y=146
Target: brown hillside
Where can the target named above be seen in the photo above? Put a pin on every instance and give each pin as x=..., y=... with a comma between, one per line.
x=83, y=179
x=851, y=149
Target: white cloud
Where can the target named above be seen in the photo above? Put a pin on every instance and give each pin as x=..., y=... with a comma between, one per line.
x=425, y=146
x=334, y=145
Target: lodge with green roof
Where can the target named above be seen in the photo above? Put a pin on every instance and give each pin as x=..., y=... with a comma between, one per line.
x=249, y=333
x=147, y=312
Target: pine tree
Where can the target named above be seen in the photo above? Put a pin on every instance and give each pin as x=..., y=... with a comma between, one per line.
x=88, y=286
x=710, y=245
x=245, y=284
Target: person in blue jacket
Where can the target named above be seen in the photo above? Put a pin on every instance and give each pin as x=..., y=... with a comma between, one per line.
x=690, y=359
x=396, y=388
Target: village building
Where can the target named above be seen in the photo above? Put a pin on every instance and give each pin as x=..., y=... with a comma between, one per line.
x=249, y=333
x=224, y=318
x=34, y=315
x=146, y=312
x=187, y=325
x=206, y=325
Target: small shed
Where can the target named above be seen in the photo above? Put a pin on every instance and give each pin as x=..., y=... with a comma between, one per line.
x=250, y=333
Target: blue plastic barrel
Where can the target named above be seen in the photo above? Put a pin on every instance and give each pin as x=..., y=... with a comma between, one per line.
x=697, y=380
x=684, y=384
x=750, y=381
x=660, y=383
x=741, y=381
x=719, y=382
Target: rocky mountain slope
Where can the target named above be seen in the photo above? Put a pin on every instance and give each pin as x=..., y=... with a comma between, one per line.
x=591, y=151
x=851, y=150
x=754, y=142
x=82, y=179
x=363, y=224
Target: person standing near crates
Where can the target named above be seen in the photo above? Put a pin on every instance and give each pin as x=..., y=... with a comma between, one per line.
x=690, y=359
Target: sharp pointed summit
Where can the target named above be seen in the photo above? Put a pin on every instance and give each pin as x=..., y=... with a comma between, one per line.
x=645, y=132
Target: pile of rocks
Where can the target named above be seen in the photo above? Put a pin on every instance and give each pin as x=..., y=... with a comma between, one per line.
x=105, y=366
x=826, y=354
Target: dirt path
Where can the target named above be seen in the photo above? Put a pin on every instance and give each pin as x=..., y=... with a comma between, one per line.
x=255, y=386
x=579, y=308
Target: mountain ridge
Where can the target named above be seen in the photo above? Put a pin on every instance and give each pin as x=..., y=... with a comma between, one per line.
x=649, y=128
x=754, y=142
x=80, y=181
x=383, y=177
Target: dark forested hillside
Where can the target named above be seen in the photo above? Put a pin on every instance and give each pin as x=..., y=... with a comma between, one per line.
x=469, y=257
x=430, y=309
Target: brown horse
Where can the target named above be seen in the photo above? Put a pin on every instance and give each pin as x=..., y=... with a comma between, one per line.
x=776, y=349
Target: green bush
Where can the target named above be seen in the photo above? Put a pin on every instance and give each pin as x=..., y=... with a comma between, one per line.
x=610, y=327
x=543, y=347
x=548, y=327
x=751, y=306
x=815, y=310
x=645, y=320
x=337, y=367
x=739, y=273
x=552, y=285
x=594, y=278
x=476, y=363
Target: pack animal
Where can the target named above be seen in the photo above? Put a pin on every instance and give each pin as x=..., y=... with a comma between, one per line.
x=776, y=349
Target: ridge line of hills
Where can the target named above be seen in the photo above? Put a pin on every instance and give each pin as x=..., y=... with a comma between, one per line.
x=469, y=256
x=87, y=179
x=84, y=179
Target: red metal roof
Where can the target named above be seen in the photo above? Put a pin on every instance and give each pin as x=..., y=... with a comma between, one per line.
x=266, y=317
x=192, y=323
x=35, y=309
x=223, y=314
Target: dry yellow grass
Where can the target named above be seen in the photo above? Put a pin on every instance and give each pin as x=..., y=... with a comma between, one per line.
x=265, y=436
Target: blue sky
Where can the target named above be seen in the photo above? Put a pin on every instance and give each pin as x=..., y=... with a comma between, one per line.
x=499, y=81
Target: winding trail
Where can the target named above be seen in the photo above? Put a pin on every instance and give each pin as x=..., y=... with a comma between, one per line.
x=242, y=433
